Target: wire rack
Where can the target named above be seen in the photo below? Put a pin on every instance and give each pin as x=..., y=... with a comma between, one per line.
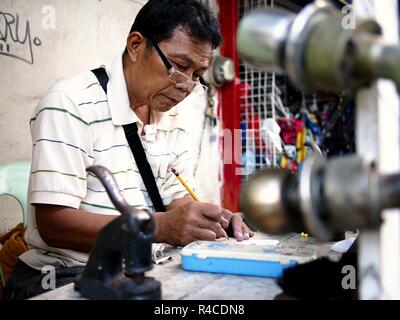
x=259, y=98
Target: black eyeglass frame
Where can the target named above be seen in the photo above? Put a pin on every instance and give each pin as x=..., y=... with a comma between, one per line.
x=171, y=68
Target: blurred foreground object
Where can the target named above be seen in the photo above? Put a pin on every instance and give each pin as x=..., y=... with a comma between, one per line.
x=122, y=252
x=316, y=49
x=325, y=198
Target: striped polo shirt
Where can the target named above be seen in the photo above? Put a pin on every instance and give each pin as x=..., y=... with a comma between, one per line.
x=77, y=125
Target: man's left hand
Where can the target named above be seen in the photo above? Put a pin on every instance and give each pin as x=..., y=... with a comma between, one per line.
x=240, y=230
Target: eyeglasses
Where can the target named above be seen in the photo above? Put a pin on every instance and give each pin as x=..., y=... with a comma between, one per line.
x=179, y=77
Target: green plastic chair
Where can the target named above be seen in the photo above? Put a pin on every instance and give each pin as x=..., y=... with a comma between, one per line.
x=14, y=180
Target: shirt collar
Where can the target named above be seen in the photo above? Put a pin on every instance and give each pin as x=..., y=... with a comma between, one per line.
x=117, y=94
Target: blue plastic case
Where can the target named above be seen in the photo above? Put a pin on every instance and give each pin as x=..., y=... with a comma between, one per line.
x=262, y=258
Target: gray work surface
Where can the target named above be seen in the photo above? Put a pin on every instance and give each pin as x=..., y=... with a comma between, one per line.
x=178, y=284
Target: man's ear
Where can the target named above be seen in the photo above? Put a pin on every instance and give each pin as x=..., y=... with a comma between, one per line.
x=135, y=45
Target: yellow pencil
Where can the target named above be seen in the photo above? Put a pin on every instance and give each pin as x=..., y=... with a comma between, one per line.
x=191, y=192
x=185, y=185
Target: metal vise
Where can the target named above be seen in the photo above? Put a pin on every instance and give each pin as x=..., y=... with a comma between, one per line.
x=327, y=197
x=122, y=252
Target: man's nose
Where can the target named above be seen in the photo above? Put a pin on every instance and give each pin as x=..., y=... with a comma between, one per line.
x=184, y=87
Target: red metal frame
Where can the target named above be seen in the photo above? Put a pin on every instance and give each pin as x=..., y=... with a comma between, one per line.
x=230, y=96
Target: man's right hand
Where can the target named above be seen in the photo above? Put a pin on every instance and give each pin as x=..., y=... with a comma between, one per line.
x=190, y=222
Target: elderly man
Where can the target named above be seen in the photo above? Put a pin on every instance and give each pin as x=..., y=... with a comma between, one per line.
x=78, y=124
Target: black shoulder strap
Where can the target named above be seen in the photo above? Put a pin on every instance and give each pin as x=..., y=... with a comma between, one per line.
x=131, y=133
x=102, y=76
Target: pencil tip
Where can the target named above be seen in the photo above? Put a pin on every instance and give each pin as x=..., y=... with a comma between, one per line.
x=173, y=170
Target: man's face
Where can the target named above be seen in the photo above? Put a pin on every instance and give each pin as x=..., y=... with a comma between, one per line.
x=186, y=54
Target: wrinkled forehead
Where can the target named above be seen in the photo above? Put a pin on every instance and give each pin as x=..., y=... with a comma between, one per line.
x=186, y=46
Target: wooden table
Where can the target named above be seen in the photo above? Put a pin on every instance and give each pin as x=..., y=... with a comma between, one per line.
x=178, y=284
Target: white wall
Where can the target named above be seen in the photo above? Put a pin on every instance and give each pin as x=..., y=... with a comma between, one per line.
x=66, y=37
x=75, y=36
